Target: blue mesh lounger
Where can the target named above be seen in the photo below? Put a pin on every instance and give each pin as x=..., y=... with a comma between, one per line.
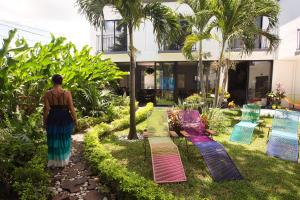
x=218, y=162
x=283, y=140
x=243, y=131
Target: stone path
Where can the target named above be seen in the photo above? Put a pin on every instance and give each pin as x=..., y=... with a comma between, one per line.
x=77, y=181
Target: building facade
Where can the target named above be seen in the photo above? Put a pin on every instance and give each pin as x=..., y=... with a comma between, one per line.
x=164, y=75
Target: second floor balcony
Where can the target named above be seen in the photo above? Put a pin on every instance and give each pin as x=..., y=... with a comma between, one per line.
x=261, y=44
x=112, y=43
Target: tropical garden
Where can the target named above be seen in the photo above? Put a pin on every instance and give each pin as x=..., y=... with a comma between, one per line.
x=113, y=125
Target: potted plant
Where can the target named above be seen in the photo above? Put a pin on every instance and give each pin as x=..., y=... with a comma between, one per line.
x=276, y=97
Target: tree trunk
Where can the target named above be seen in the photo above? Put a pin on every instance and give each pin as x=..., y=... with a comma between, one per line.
x=224, y=82
x=132, y=131
x=217, y=85
x=200, y=72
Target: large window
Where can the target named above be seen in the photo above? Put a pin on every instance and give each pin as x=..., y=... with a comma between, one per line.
x=114, y=36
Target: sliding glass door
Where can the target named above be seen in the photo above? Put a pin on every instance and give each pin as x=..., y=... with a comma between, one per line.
x=164, y=81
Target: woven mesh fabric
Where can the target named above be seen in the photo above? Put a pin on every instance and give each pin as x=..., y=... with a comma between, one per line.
x=215, y=156
x=283, y=148
x=250, y=112
x=157, y=123
x=285, y=121
x=191, y=122
x=166, y=162
x=219, y=164
x=283, y=141
x=243, y=131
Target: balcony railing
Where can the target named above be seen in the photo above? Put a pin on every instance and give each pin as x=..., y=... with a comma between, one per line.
x=261, y=43
x=112, y=43
x=173, y=48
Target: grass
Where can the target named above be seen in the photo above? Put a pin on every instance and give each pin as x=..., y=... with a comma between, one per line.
x=266, y=178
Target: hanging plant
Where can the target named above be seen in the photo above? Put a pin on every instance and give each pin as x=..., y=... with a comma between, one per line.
x=149, y=70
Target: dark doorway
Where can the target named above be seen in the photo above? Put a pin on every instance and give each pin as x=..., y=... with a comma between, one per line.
x=238, y=83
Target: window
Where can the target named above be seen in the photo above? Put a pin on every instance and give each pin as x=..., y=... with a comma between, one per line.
x=114, y=36
x=298, y=39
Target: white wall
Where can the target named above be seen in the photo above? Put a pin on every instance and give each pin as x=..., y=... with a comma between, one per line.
x=289, y=22
x=284, y=72
x=144, y=41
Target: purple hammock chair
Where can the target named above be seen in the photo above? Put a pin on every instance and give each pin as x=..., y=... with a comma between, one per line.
x=217, y=160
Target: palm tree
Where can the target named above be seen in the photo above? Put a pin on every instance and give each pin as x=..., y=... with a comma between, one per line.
x=199, y=23
x=236, y=19
x=133, y=13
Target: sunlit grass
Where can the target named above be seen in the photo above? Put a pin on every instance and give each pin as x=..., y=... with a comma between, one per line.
x=265, y=177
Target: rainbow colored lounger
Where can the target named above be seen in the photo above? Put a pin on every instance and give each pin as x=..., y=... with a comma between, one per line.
x=218, y=162
x=243, y=131
x=283, y=140
x=166, y=161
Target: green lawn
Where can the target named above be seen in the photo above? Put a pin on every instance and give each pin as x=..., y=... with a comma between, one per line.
x=265, y=177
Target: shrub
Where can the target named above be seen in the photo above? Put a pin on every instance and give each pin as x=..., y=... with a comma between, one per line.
x=131, y=185
x=215, y=120
x=31, y=181
x=23, y=154
x=194, y=99
x=141, y=115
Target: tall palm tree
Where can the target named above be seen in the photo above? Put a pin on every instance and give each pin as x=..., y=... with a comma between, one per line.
x=236, y=19
x=199, y=24
x=134, y=12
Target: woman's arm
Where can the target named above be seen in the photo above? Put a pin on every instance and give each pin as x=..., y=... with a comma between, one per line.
x=71, y=107
x=46, y=109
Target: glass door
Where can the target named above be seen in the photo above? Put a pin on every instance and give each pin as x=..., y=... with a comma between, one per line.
x=164, y=81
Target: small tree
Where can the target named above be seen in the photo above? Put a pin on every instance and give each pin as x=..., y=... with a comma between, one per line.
x=236, y=19
x=133, y=13
x=199, y=23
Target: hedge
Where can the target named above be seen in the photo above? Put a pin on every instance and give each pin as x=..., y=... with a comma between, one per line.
x=130, y=184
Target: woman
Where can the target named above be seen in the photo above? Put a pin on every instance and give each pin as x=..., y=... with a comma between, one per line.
x=59, y=120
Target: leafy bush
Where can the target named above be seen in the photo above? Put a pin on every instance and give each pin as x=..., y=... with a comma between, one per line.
x=23, y=153
x=132, y=185
x=215, y=120
x=25, y=75
x=31, y=180
x=194, y=99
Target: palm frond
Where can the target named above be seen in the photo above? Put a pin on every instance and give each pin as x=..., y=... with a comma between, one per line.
x=268, y=9
x=190, y=42
x=93, y=10
x=165, y=22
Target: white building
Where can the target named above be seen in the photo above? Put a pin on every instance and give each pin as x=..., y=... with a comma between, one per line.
x=164, y=74
x=286, y=68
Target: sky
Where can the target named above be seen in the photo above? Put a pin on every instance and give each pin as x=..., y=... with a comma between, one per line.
x=60, y=17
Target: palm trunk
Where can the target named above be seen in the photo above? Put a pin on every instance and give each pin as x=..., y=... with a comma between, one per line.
x=132, y=131
x=216, y=101
x=224, y=83
x=200, y=72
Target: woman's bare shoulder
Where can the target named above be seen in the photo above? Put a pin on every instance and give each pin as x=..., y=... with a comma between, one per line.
x=67, y=93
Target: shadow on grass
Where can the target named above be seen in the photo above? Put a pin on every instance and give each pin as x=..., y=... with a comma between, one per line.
x=265, y=177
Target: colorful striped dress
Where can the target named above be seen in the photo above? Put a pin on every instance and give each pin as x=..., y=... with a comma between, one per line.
x=59, y=127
